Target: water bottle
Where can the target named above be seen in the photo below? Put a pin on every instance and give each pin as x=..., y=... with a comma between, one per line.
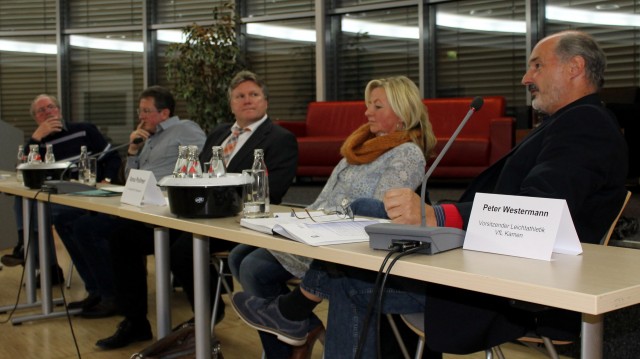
x=216, y=165
x=194, y=170
x=34, y=154
x=20, y=159
x=84, y=172
x=48, y=156
x=180, y=169
x=257, y=192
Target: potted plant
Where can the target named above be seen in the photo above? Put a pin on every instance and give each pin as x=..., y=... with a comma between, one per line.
x=202, y=66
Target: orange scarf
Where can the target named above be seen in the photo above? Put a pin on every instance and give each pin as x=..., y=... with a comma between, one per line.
x=363, y=147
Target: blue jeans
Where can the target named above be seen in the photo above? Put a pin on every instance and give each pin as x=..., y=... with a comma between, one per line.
x=349, y=293
x=88, y=246
x=260, y=274
x=258, y=271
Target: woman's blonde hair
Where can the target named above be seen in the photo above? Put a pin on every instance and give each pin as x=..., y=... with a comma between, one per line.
x=404, y=97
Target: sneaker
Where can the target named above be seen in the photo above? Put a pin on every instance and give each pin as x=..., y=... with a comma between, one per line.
x=264, y=315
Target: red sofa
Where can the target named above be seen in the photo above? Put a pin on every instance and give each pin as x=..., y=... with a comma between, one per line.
x=488, y=135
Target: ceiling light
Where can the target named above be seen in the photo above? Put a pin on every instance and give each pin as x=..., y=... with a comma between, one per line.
x=564, y=14
x=105, y=44
x=29, y=47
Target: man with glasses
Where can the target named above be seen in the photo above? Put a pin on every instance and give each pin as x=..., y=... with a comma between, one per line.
x=161, y=132
x=66, y=139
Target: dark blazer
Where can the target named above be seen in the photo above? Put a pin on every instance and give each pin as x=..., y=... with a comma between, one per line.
x=579, y=155
x=280, y=154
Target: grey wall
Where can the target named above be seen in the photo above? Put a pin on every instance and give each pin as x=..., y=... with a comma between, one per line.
x=10, y=138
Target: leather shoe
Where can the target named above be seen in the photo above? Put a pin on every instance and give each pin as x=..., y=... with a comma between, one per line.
x=127, y=333
x=104, y=309
x=88, y=302
x=16, y=258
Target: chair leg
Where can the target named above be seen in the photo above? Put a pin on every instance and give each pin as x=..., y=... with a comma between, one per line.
x=218, y=263
x=419, y=348
x=396, y=333
x=551, y=349
x=498, y=351
x=69, y=275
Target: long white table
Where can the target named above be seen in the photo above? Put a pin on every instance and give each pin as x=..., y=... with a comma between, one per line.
x=601, y=280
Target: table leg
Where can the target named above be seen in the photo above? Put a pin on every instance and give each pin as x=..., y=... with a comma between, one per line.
x=201, y=259
x=163, y=285
x=44, y=226
x=47, y=302
x=30, y=259
x=592, y=334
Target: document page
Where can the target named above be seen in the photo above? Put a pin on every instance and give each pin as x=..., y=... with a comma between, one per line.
x=323, y=229
x=317, y=234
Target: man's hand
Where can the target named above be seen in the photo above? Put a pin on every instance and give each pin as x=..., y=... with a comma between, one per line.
x=140, y=132
x=51, y=125
x=403, y=206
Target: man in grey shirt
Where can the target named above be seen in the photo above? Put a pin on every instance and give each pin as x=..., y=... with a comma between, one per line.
x=154, y=147
x=162, y=132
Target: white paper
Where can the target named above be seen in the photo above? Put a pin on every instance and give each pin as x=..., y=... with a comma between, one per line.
x=521, y=226
x=141, y=189
x=326, y=230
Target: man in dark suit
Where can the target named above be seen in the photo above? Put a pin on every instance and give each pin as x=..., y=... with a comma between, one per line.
x=577, y=154
x=248, y=97
x=249, y=100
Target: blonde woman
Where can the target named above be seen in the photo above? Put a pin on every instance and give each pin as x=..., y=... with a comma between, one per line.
x=389, y=151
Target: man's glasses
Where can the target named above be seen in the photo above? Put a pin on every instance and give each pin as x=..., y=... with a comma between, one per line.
x=44, y=109
x=343, y=211
x=146, y=111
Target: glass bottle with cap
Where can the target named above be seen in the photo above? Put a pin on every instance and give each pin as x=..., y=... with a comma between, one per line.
x=216, y=165
x=49, y=156
x=193, y=168
x=20, y=159
x=34, y=154
x=180, y=169
x=256, y=194
x=83, y=165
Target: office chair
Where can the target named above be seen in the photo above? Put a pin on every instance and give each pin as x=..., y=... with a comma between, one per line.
x=415, y=322
x=547, y=345
x=217, y=260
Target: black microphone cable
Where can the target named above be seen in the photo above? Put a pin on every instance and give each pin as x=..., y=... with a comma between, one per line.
x=381, y=291
x=30, y=239
x=26, y=254
x=371, y=303
x=60, y=282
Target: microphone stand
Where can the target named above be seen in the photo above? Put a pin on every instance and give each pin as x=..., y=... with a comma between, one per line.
x=440, y=239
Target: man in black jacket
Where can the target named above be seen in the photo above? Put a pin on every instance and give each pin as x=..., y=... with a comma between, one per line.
x=66, y=139
x=249, y=99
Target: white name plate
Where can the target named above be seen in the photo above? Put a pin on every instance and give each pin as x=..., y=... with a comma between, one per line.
x=141, y=189
x=521, y=226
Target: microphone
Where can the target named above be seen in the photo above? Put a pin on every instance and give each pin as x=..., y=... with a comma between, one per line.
x=109, y=149
x=386, y=235
x=61, y=186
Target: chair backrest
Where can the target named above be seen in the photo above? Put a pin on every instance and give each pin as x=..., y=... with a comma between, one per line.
x=605, y=240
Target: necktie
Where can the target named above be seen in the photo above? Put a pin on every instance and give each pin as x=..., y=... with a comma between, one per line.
x=231, y=144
